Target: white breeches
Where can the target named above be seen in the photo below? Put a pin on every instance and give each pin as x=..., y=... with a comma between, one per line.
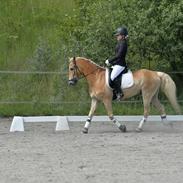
x=117, y=69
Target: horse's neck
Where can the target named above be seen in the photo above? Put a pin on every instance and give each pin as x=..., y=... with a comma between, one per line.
x=87, y=67
x=91, y=71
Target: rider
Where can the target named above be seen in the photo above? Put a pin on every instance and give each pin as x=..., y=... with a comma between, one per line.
x=118, y=61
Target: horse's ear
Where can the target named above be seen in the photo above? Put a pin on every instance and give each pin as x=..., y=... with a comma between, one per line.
x=74, y=60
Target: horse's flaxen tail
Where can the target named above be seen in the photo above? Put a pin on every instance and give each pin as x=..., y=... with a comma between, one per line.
x=169, y=88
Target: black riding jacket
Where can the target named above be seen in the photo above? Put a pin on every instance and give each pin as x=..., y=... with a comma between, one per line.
x=120, y=51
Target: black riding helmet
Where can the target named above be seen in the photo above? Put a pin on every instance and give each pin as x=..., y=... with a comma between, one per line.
x=121, y=31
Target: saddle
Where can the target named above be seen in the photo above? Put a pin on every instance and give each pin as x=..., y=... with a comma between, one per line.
x=125, y=79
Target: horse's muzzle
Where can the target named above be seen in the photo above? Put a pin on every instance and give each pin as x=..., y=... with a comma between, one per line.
x=72, y=81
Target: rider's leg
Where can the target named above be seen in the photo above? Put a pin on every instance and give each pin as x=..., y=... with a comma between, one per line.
x=117, y=69
x=117, y=87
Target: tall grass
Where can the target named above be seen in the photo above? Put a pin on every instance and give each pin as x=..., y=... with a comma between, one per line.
x=23, y=23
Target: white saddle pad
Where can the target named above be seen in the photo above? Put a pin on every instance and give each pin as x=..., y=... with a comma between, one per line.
x=126, y=82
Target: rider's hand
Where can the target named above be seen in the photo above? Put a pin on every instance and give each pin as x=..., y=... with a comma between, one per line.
x=107, y=62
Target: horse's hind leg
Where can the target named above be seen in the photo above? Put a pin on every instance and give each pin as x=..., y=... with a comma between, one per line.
x=149, y=90
x=156, y=103
x=146, y=100
x=93, y=107
x=108, y=106
x=146, y=113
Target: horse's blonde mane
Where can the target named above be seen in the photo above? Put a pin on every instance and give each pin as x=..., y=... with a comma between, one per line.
x=87, y=60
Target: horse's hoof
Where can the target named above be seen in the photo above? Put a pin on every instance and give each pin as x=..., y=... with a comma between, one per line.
x=138, y=130
x=85, y=130
x=122, y=128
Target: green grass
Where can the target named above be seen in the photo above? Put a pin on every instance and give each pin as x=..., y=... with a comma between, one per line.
x=75, y=109
x=50, y=95
x=23, y=23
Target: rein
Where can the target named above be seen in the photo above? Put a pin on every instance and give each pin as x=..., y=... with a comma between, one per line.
x=85, y=76
x=77, y=68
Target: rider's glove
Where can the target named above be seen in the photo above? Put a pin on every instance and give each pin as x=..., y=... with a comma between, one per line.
x=107, y=62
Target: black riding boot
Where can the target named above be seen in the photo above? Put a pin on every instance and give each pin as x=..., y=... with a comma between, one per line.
x=118, y=90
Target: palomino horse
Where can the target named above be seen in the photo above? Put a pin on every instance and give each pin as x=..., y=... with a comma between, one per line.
x=145, y=81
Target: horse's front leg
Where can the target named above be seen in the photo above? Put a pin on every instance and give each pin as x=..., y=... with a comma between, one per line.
x=93, y=107
x=108, y=105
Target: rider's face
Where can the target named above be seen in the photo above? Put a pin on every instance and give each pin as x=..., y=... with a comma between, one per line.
x=119, y=37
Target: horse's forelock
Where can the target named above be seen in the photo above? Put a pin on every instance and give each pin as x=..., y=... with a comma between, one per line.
x=72, y=59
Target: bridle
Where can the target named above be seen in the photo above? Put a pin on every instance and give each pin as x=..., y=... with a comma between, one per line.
x=77, y=70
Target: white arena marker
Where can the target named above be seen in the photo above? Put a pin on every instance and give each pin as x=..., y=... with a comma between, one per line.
x=17, y=124
x=62, y=123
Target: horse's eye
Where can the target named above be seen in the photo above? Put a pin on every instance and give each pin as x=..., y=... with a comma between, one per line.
x=71, y=69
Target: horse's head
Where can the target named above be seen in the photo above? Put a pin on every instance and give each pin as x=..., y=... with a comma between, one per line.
x=80, y=67
x=74, y=72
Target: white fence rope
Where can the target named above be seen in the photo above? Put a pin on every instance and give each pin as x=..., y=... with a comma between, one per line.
x=32, y=72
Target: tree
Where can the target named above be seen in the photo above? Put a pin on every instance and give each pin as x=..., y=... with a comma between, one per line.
x=155, y=31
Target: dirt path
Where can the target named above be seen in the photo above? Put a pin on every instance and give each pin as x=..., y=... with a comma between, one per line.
x=40, y=155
